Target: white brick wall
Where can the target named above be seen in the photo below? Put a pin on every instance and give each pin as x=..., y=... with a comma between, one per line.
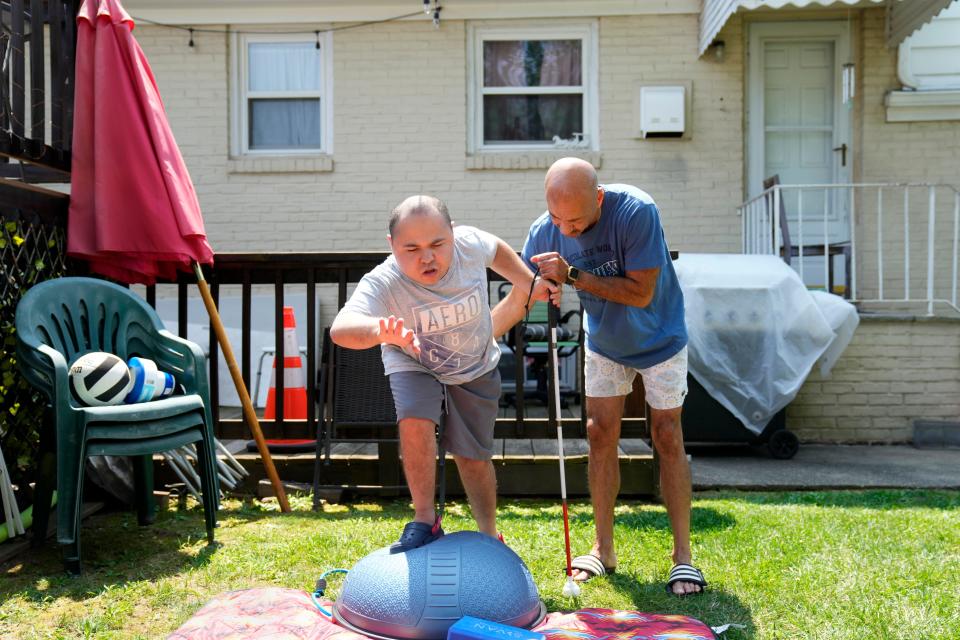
x=901, y=152
x=893, y=372
x=400, y=128
x=696, y=182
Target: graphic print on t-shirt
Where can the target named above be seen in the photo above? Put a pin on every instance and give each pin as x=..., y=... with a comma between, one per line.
x=601, y=263
x=607, y=269
x=450, y=332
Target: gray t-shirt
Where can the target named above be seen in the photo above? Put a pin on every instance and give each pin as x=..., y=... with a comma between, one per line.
x=451, y=318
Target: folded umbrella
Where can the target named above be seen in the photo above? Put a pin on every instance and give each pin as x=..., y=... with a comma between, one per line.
x=134, y=214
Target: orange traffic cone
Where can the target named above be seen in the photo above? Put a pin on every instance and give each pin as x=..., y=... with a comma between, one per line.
x=294, y=384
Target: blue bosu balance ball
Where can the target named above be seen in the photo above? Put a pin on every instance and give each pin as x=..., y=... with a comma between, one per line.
x=420, y=594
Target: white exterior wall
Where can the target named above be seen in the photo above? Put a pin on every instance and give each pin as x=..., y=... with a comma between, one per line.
x=400, y=128
x=893, y=372
x=924, y=152
x=697, y=182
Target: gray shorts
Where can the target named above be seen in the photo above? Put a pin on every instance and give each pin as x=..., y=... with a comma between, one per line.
x=471, y=409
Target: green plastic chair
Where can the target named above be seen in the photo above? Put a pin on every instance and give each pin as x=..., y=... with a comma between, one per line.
x=57, y=322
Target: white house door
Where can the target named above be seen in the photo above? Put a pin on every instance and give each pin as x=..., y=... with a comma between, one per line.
x=799, y=129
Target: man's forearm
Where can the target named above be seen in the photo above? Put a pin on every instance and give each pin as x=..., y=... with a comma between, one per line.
x=615, y=289
x=509, y=265
x=355, y=331
x=508, y=312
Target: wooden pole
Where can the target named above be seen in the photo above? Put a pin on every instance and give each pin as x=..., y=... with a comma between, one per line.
x=248, y=413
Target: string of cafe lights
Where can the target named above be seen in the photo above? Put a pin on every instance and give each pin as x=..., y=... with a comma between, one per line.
x=430, y=8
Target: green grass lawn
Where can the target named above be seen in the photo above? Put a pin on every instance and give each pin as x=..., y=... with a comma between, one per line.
x=877, y=564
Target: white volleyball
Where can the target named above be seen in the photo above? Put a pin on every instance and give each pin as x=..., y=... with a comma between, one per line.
x=99, y=379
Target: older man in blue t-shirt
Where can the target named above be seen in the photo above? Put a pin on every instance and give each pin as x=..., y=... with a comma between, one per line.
x=607, y=242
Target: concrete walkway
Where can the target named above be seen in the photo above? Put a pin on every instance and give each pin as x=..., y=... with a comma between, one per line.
x=821, y=466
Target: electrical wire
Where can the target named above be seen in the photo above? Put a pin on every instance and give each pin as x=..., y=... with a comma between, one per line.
x=316, y=32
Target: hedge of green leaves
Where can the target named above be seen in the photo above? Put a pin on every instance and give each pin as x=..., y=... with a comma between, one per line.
x=30, y=251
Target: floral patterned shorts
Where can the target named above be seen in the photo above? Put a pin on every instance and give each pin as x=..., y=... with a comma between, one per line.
x=665, y=383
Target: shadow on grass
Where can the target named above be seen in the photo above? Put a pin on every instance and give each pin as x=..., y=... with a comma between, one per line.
x=880, y=499
x=701, y=519
x=712, y=607
x=114, y=551
x=641, y=514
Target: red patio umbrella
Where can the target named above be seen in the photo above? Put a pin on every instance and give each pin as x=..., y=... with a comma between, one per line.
x=134, y=214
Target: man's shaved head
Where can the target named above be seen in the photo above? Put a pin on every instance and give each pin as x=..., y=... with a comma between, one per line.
x=419, y=205
x=571, y=177
x=573, y=195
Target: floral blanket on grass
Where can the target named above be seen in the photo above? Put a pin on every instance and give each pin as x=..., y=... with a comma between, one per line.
x=289, y=614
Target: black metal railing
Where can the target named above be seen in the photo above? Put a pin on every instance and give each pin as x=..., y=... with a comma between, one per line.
x=310, y=271
x=26, y=108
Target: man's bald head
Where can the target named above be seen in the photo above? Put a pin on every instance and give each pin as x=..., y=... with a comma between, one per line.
x=571, y=177
x=419, y=205
x=573, y=195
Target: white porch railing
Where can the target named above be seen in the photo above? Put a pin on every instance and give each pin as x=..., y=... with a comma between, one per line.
x=902, y=239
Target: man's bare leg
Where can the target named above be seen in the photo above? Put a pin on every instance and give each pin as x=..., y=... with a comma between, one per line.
x=675, y=485
x=480, y=483
x=418, y=446
x=603, y=472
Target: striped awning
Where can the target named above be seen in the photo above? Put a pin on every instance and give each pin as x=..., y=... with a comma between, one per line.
x=906, y=16
x=903, y=16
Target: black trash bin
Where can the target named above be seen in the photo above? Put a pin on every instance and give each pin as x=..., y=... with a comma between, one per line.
x=706, y=421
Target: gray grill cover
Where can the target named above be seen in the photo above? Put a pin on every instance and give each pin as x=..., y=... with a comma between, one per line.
x=419, y=594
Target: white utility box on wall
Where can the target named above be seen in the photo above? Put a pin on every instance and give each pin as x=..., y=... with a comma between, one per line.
x=662, y=110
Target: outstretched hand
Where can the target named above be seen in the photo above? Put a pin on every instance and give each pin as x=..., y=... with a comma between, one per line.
x=393, y=332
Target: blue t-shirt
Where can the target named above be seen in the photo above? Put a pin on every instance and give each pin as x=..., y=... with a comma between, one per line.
x=627, y=237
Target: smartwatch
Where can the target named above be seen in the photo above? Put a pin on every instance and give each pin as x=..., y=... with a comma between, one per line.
x=572, y=274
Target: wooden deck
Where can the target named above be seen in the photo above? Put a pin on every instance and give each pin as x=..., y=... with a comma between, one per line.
x=524, y=467
x=533, y=410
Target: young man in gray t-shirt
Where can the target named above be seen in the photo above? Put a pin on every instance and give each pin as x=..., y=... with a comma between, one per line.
x=427, y=306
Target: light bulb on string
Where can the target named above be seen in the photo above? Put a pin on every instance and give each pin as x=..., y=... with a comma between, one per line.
x=428, y=7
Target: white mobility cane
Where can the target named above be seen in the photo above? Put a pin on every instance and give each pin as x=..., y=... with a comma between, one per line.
x=570, y=588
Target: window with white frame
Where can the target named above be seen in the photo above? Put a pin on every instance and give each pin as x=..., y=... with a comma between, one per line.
x=282, y=97
x=533, y=87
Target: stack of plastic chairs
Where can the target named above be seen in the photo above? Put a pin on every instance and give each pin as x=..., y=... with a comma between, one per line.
x=11, y=513
x=60, y=320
